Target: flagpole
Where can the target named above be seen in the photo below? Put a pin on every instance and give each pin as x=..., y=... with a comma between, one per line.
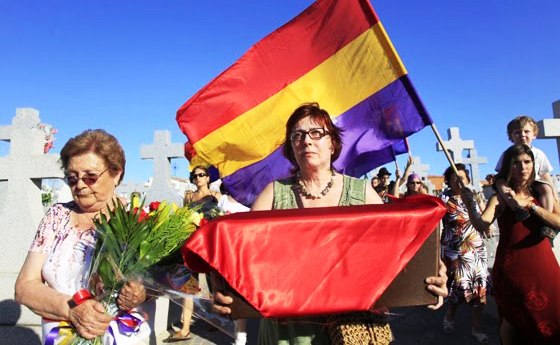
x=408, y=147
x=395, y=157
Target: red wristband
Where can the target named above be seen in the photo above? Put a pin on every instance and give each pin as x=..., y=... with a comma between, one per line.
x=81, y=296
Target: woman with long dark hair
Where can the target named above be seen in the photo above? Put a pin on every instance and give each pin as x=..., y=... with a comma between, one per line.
x=526, y=275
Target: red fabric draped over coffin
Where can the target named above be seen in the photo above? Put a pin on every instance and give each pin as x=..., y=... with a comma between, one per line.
x=314, y=261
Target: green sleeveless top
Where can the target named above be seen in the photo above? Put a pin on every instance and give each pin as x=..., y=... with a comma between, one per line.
x=353, y=193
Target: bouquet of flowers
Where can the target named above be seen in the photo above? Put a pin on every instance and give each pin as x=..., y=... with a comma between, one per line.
x=144, y=246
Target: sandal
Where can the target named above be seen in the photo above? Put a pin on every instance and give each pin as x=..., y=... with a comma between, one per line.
x=177, y=336
x=448, y=326
x=480, y=337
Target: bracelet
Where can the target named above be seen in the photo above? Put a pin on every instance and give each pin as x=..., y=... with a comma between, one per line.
x=78, y=298
x=81, y=296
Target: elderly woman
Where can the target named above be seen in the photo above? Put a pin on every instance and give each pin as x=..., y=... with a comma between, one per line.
x=312, y=144
x=526, y=275
x=59, y=257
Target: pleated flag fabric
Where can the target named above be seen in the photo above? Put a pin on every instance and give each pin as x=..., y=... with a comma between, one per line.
x=315, y=261
x=336, y=53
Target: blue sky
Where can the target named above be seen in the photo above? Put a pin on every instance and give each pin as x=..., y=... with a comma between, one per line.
x=127, y=66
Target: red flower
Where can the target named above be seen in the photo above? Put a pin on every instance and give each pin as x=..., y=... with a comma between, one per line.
x=142, y=216
x=154, y=205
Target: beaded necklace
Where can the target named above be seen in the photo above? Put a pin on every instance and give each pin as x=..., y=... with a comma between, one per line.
x=300, y=187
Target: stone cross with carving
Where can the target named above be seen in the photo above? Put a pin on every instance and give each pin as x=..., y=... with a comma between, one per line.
x=455, y=145
x=550, y=128
x=125, y=189
x=419, y=168
x=474, y=161
x=21, y=208
x=162, y=151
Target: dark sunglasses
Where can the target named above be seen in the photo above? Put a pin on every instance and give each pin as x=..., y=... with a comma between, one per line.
x=415, y=182
x=89, y=179
x=199, y=175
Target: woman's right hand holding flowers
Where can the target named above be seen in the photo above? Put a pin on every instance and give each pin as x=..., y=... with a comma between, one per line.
x=89, y=319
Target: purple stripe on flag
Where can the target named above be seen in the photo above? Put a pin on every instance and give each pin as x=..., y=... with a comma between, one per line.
x=377, y=123
x=367, y=161
x=373, y=134
x=246, y=183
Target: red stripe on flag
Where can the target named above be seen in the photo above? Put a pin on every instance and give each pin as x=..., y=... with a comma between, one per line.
x=274, y=62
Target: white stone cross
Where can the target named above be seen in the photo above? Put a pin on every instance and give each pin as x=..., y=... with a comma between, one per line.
x=474, y=161
x=419, y=168
x=162, y=151
x=21, y=210
x=455, y=145
x=550, y=128
x=125, y=189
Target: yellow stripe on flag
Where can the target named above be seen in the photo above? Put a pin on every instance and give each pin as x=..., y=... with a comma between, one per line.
x=360, y=69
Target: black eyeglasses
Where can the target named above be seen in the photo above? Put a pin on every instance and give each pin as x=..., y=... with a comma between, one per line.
x=199, y=175
x=314, y=133
x=88, y=178
x=415, y=182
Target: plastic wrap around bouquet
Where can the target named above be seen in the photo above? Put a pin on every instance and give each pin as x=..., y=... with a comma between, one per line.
x=320, y=261
x=145, y=247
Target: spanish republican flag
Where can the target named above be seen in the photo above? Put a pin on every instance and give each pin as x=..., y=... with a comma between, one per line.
x=336, y=53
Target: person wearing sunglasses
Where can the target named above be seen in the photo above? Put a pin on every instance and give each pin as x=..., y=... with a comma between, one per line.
x=414, y=186
x=61, y=253
x=206, y=201
x=200, y=177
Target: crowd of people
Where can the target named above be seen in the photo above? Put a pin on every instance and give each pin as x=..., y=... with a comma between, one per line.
x=525, y=206
x=524, y=281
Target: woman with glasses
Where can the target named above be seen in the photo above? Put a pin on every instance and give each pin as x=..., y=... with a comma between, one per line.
x=200, y=177
x=59, y=257
x=414, y=186
x=312, y=143
x=464, y=254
